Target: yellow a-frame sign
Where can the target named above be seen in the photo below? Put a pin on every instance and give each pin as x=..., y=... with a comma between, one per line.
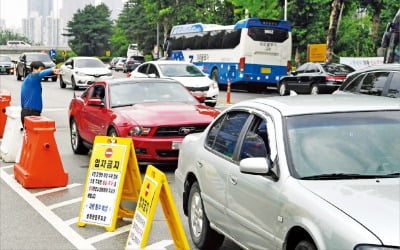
x=155, y=186
x=113, y=175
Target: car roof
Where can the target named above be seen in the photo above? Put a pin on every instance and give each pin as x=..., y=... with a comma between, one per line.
x=140, y=80
x=380, y=67
x=311, y=104
x=169, y=62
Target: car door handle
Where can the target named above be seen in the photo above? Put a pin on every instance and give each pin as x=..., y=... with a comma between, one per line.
x=233, y=179
x=199, y=164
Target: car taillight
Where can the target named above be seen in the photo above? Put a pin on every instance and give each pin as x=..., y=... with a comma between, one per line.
x=335, y=78
x=242, y=62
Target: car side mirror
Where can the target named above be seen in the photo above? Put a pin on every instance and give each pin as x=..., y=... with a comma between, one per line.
x=199, y=97
x=95, y=102
x=258, y=165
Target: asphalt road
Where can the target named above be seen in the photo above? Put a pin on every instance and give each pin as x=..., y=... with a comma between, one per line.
x=47, y=218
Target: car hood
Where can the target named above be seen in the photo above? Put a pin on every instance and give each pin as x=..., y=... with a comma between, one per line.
x=194, y=82
x=5, y=63
x=373, y=203
x=93, y=71
x=166, y=113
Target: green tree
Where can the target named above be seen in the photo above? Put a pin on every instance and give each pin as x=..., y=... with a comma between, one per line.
x=91, y=30
x=7, y=35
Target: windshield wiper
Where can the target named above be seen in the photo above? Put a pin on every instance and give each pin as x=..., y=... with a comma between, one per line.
x=341, y=176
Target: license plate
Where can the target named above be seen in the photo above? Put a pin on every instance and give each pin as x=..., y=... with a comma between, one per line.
x=176, y=145
x=265, y=70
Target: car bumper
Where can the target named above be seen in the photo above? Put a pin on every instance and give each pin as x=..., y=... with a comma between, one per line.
x=85, y=81
x=159, y=150
x=329, y=88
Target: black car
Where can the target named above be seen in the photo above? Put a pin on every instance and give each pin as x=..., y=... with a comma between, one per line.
x=6, y=65
x=380, y=80
x=132, y=62
x=25, y=59
x=315, y=78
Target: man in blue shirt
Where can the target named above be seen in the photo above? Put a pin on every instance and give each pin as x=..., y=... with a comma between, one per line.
x=31, y=90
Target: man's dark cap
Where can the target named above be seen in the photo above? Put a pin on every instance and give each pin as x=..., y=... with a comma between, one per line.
x=37, y=64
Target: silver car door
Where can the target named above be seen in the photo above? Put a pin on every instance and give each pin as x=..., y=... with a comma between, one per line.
x=216, y=162
x=252, y=199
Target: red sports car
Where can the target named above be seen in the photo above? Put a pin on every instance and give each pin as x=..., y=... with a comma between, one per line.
x=156, y=113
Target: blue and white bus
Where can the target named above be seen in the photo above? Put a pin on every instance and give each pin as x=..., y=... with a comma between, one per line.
x=253, y=51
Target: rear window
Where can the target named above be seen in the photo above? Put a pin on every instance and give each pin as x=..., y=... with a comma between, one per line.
x=38, y=57
x=268, y=34
x=337, y=68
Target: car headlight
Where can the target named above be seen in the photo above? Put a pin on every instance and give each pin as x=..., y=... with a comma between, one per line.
x=137, y=131
x=374, y=247
x=78, y=73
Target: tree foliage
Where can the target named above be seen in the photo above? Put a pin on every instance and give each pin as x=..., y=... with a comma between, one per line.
x=91, y=30
x=8, y=35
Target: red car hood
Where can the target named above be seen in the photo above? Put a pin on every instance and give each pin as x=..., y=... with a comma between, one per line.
x=160, y=114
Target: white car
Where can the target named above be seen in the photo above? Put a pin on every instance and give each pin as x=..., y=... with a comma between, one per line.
x=186, y=73
x=295, y=172
x=82, y=71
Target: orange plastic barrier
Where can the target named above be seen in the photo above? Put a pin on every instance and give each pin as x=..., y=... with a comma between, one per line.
x=5, y=99
x=40, y=163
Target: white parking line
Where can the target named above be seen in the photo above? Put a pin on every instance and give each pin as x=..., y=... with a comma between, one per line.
x=73, y=237
x=71, y=221
x=64, y=203
x=57, y=189
x=107, y=235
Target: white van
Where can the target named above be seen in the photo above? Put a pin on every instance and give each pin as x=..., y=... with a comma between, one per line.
x=18, y=43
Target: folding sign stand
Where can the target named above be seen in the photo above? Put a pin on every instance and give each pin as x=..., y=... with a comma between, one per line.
x=155, y=186
x=113, y=175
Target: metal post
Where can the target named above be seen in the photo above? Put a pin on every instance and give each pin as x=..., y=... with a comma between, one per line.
x=228, y=92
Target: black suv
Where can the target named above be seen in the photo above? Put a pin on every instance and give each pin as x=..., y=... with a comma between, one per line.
x=132, y=62
x=24, y=64
x=380, y=80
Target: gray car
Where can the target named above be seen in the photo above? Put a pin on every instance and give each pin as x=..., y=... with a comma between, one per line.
x=295, y=172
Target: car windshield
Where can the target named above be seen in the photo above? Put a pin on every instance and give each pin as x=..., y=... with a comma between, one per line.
x=38, y=57
x=131, y=93
x=5, y=59
x=340, y=145
x=89, y=63
x=180, y=70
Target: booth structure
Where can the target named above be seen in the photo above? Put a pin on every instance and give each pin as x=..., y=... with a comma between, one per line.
x=5, y=99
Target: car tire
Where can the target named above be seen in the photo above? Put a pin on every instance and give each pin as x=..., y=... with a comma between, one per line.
x=203, y=236
x=62, y=83
x=76, y=139
x=112, y=132
x=314, y=89
x=305, y=245
x=282, y=89
x=54, y=79
x=74, y=87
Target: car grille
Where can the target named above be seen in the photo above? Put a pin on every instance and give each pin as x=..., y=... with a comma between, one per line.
x=193, y=89
x=167, y=153
x=179, y=131
x=97, y=75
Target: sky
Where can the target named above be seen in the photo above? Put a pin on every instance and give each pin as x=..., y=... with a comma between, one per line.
x=13, y=11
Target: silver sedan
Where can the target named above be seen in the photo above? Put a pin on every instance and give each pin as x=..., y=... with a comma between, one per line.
x=295, y=172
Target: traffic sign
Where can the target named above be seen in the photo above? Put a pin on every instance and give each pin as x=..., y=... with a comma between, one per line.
x=64, y=53
x=52, y=53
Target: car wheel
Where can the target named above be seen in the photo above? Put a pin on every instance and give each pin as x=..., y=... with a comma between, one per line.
x=112, y=132
x=74, y=83
x=203, y=236
x=62, y=83
x=76, y=140
x=283, y=90
x=305, y=245
x=54, y=79
x=314, y=89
